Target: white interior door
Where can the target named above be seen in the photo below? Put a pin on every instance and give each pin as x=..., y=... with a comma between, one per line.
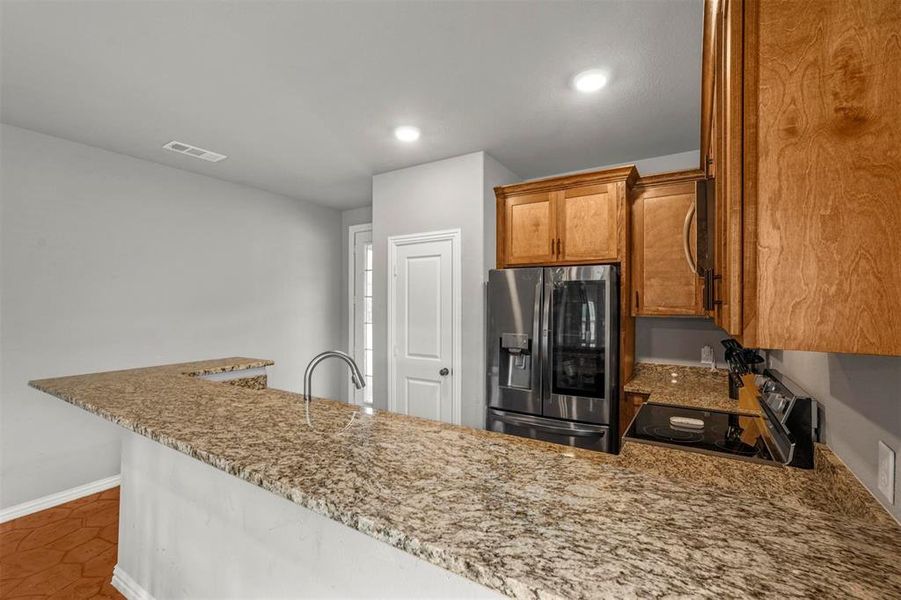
x=422, y=312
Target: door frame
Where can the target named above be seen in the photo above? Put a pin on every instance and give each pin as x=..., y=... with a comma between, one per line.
x=395, y=242
x=352, y=231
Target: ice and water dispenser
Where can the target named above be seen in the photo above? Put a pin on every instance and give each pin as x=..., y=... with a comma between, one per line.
x=516, y=360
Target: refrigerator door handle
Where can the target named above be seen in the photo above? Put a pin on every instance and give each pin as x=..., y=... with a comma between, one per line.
x=575, y=430
x=537, y=324
x=547, y=297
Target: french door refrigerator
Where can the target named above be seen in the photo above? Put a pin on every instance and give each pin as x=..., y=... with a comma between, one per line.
x=552, y=354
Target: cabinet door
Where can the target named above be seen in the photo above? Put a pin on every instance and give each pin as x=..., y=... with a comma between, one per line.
x=586, y=223
x=825, y=173
x=664, y=222
x=530, y=230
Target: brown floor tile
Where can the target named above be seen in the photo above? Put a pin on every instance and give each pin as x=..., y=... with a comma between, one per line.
x=76, y=538
x=95, y=506
x=87, y=551
x=9, y=541
x=111, y=494
x=39, y=519
x=28, y=562
x=110, y=533
x=7, y=585
x=83, y=588
x=47, y=582
x=107, y=516
x=101, y=563
x=42, y=536
x=66, y=552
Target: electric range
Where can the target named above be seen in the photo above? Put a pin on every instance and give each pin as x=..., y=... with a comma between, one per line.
x=783, y=434
x=712, y=432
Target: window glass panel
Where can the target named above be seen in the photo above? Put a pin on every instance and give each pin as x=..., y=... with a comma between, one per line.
x=367, y=391
x=367, y=310
x=363, y=328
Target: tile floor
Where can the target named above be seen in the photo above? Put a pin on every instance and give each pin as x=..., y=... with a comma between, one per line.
x=63, y=552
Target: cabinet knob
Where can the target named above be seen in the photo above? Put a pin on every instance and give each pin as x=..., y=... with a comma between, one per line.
x=444, y=372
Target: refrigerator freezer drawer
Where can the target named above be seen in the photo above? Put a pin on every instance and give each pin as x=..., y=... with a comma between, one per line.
x=578, y=408
x=580, y=435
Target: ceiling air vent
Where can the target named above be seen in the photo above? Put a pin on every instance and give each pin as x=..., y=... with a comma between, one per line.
x=194, y=151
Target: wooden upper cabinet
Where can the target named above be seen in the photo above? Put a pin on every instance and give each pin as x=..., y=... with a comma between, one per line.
x=531, y=230
x=664, y=225
x=806, y=128
x=586, y=223
x=574, y=219
x=824, y=174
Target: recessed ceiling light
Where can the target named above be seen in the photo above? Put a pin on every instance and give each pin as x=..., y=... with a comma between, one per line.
x=407, y=133
x=590, y=81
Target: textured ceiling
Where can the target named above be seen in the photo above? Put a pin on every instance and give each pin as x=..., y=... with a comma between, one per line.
x=303, y=96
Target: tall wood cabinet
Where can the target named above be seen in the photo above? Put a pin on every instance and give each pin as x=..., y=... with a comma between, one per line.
x=804, y=127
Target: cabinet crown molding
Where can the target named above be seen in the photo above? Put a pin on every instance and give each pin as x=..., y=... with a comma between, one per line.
x=689, y=175
x=628, y=173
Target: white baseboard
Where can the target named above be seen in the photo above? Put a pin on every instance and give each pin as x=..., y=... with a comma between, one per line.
x=38, y=504
x=128, y=587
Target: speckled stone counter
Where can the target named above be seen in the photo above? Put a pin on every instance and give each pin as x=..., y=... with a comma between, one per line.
x=696, y=387
x=530, y=519
x=830, y=487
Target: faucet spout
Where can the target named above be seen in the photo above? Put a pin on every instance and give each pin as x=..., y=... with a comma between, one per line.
x=356, y=376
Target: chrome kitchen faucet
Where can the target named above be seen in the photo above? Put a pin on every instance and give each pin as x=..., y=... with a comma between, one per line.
x=355, y=376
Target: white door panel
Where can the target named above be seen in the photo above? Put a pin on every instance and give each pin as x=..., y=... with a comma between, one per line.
x=423, y=398
x=424, y=306
x=422, y=328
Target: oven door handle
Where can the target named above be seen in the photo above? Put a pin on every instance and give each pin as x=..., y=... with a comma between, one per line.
x=567, y=431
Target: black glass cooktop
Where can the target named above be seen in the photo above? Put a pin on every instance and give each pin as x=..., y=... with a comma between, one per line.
x=714, y=432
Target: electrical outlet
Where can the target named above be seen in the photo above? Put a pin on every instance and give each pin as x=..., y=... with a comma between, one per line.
x=887, y=472
x=707, y=355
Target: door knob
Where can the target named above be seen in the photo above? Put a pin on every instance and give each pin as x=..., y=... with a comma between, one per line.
x=444, y=372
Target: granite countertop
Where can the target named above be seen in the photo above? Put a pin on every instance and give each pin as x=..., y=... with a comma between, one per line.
x=529, y=519
x=696, y=387
x=830, y=487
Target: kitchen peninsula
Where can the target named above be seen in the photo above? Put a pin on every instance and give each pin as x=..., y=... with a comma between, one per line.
x=497, y=514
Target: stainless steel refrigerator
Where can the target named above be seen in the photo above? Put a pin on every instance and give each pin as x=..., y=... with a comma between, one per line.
x=552, y=354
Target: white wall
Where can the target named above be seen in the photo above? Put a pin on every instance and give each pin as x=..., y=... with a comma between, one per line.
x=860, y=399
x=677, y=340
x=665, y=163
x=445, y=194
x=112, y=262
x=495, y=174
